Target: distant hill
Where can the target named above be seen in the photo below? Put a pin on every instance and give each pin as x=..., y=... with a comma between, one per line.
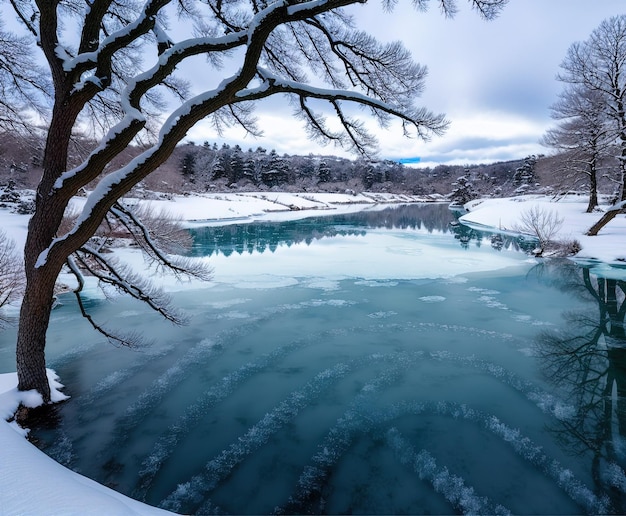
x=220, y=167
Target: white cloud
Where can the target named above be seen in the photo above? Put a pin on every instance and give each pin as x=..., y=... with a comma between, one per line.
x=494, y=80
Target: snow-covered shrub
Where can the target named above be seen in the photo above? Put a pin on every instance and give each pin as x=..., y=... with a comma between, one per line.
x=541, y=223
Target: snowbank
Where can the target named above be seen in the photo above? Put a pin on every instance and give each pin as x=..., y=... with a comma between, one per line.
x=229, y=208
x=33, y=483
x=504, y=214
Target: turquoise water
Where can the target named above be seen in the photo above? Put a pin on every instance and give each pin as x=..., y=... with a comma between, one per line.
x=321, y=373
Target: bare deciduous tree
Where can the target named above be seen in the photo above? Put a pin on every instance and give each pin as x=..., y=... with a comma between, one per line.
x=598, y=65
x=112, y=67
x=11, y=274
x=583, y=135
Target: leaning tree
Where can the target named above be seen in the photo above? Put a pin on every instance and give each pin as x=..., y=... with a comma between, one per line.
x=112, y=68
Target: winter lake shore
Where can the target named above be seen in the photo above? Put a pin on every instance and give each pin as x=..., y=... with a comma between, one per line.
x=32, y=483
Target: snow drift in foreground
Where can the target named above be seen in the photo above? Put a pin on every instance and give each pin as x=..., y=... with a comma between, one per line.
x=33, y=483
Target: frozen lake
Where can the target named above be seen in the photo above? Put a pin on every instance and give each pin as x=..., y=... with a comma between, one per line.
x=378, y=362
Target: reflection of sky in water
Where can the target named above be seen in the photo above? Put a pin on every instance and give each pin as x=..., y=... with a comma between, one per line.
x=349, y=377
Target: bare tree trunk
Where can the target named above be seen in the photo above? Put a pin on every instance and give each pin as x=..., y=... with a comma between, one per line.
x=593, y=192
x=31, y=337
x=41, y=276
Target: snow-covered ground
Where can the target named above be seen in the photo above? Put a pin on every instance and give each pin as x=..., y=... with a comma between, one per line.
x=32, y=483
x=608, y=247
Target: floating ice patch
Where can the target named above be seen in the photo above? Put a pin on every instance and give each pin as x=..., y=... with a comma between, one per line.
x=382, y=315
x=323, y=284
x=456, y=280
x=432, y=299
x=491, y=302
x=375, y=283
x=326, y=302
x=264, y=282
x=234, y=314
x=227, y=303
x=485, y=291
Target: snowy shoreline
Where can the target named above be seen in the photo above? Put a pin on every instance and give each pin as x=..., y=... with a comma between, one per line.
x=606, y=249
x=33, y=483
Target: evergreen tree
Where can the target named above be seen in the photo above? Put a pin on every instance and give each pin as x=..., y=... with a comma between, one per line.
x=464, y=190
x=323, y=172
x=525, y=174
x=187, y=166
x=236, y=165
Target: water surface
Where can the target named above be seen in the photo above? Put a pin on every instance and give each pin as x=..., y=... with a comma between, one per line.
x=374, y=363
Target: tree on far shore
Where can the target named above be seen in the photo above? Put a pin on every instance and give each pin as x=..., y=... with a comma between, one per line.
x=597, y=67
x=583, y=136
x=111, y=68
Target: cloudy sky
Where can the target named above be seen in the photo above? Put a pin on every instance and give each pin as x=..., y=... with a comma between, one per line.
x=494, y=80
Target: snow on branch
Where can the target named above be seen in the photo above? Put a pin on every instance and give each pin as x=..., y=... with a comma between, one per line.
x=117, y=40
x=159, y=231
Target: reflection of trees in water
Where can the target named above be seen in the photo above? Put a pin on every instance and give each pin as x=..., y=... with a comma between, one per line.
x=260, y=237
x=264, y=236
x=466, y=235
x=587, y=361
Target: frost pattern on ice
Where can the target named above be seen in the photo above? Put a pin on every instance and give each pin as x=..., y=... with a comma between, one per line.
x=360, y=418
x=453, y=488
x=221, y=466
x=307, y=495
x=166, y=445
x=376, y=283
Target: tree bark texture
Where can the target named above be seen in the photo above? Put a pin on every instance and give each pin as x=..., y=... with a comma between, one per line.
x=593, y=192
